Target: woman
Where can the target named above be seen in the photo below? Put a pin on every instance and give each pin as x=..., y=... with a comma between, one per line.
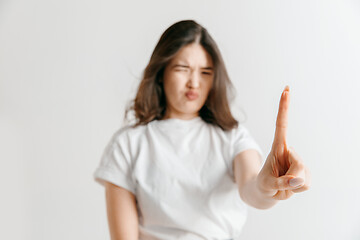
x=187, y=169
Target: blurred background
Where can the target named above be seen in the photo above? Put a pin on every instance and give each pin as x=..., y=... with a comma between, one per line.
x=69, y=68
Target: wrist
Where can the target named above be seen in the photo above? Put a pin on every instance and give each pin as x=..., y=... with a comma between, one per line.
x=260, y=184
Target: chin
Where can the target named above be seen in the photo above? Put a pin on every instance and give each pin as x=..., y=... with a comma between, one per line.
x=190, y=108
x=191, y=112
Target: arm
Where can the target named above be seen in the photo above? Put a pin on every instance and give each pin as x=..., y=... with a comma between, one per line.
x=122, y=213
x=246, y=168
x=283, y=173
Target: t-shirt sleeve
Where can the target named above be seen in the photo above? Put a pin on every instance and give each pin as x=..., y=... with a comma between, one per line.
x=243, y=140
x=115, y=165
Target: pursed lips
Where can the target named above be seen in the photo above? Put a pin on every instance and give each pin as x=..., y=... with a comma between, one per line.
x=191, y=95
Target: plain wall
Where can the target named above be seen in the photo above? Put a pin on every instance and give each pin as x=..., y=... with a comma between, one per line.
x=68, y=69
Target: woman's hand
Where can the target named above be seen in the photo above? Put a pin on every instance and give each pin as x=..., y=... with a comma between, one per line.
x=284, y=172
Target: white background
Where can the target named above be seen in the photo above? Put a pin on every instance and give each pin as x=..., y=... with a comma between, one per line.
x=68, y=69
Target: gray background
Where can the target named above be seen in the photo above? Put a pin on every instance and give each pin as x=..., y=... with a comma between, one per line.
x=68, y=68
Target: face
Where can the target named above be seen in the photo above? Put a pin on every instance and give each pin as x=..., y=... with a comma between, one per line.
x=188, y=78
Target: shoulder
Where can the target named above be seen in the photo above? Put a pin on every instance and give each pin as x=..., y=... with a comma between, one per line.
x=231, y=134
x=128, y=132
x=239, y=131
x=126, y=140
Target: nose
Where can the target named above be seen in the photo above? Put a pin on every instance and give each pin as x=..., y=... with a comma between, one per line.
x=194, y=80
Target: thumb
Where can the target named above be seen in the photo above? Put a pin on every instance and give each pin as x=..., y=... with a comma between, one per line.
x=287, y=182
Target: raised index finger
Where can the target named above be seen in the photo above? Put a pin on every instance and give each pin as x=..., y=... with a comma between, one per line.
x=282, y=118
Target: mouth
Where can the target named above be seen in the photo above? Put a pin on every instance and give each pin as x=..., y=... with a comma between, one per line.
x=191, y=95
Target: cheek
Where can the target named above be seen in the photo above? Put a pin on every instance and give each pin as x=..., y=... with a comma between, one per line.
x=174, y=82
x=169, y=91
x=172, y=88
x=207, y=87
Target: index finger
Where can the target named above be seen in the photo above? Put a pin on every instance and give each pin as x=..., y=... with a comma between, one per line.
x=282, y=118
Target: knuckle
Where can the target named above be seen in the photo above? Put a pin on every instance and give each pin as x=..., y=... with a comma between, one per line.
x=302, y=189
x=279, y=184
x=300, y=165
x=306, y=187
x=276, y=185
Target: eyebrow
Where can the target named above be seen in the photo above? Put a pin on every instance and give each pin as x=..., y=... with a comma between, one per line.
x=186, y=66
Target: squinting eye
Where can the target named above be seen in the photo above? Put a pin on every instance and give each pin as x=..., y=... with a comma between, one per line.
x=207, y=73
x=181, y=69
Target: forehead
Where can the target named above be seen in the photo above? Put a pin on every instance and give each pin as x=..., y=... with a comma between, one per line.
x=193, y=54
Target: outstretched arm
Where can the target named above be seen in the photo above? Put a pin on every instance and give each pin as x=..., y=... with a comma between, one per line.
x=283, y=173
x=247, y=166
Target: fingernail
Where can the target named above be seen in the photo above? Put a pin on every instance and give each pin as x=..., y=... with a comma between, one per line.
x=296, y=182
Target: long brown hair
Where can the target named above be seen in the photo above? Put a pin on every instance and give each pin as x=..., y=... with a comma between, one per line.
x=150, y=102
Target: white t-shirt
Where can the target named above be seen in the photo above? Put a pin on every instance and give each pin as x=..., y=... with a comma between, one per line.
x=181, y=174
